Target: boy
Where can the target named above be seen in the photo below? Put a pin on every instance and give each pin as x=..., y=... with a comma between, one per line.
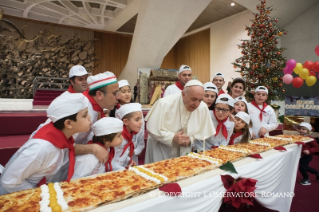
x=126, y=154
x=108, y=134
x=262, y=116
x=40, y=158
x=306, y=154
x=219, y=81
x=224, y=128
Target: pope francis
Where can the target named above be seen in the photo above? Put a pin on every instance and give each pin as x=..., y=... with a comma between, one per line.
x=175, y=121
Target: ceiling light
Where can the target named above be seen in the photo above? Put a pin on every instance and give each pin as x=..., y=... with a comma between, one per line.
x=232, y=4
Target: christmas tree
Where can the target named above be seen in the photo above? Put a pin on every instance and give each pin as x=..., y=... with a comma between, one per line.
x=262, y=61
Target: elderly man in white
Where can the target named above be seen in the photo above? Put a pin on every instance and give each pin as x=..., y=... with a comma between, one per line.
x=174, y=122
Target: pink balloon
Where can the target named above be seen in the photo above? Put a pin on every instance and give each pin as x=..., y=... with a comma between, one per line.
x=287, y=70
x=287, y=78
x=317, y=50
x=291, y=64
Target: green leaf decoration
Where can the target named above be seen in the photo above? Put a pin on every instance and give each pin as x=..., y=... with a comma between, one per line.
x=229, y=167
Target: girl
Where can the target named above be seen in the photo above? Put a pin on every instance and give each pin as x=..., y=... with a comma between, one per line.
x=241, y=132
x=240, y=105
x=124, y=96
x=262, y=116
x=127, y=153
x=237, y=87
x=108, y=134
x=210, y=95
x=224, y=128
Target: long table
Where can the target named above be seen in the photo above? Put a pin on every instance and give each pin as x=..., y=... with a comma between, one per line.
x=276, y=175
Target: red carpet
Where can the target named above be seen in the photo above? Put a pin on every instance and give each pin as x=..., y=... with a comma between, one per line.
x=45, y=97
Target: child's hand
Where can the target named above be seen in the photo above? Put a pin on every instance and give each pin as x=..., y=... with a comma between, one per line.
x=306, y=152
x=132, y=154
x=262, y=131
x=253, y=136
x=231, y=118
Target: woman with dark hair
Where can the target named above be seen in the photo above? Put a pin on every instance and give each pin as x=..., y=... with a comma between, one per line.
x=238, y=86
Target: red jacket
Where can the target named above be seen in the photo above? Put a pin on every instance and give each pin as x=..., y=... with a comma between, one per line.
x=312, y=146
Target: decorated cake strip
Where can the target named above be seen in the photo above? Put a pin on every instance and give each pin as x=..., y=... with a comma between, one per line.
x=149, y=174
x=241, y=150
x=260, y=143
x=205, y=158
x=279, y=138
x=52, y=198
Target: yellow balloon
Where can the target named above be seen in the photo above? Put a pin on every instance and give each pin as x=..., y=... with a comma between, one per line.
x=304, y=73
x=311, y=80
x=298, y=68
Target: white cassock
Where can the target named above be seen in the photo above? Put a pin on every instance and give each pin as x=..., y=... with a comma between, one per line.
x=36, y=159
x=172, y=89
x=169, y=116
x=269, y=119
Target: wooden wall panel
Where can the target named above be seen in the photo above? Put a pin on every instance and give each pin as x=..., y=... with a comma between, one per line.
x=112, y=50
x=169, y=61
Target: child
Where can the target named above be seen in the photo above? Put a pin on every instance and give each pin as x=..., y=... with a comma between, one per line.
x=240, y=105
x=224, y=128
x=124, y=96
x=241, y=132
x=219, y=81
x=306, y=154
x=262, y=116
x=40, y=158
x=210, y=95
x=107, y=133
x=126, y=154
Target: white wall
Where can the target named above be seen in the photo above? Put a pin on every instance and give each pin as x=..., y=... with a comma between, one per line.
x=302, y=36
x=225, y=35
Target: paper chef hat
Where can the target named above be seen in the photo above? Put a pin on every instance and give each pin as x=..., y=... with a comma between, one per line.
x=184, y=68
x=107, y=125
x=123, y=83
x=209, y=86
x=240, y=99
x=261, y=88
x=101, y=80
x=244, y=116
x=303, y=124
x=218, y=74
x=66, y=105
x=225, y=99
x=193, y=83
x=128, y=108
x=77, y=70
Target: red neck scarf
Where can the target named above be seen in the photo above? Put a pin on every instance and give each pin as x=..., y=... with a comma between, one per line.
x=221, y=126
x=71, y=90
x=261, y=110
x=56, y=137
x=118, y=106
x=221, y=92
x=233, y=136
x=96, y=106
x=179, y=85
x=129, y=137
x=111, y=155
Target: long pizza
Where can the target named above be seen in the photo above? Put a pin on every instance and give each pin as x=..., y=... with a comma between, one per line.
x=225, y=155
x=254, y=147
x=294, y=138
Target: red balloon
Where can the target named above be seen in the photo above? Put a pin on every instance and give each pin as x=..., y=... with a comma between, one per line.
x=312, y=73
x=315, y=66
x=308, y=65
x=297, y=82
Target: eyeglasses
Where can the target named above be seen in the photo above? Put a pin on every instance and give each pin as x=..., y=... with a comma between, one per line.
x=221, y=109
x=115, y=93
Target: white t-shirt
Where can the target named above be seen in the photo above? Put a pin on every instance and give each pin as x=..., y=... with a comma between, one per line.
x=172, y=89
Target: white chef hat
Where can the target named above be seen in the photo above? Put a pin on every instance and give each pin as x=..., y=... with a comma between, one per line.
x=107, y=125
x=303, y=124
x=101, y=80
x=261, y=88
x=128, y=108
x=240, y=99
x=193, y=82
x=244, y=116
x=123, y=83
x=225, y=99
x=209, y=86
x=77, y=70
x=66, y=105
x=218, y=74
x=184, y=68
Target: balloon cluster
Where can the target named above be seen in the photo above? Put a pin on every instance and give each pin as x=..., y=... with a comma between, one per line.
x=306, y=71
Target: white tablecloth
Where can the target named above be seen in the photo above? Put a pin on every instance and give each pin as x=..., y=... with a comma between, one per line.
x=276, y=173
